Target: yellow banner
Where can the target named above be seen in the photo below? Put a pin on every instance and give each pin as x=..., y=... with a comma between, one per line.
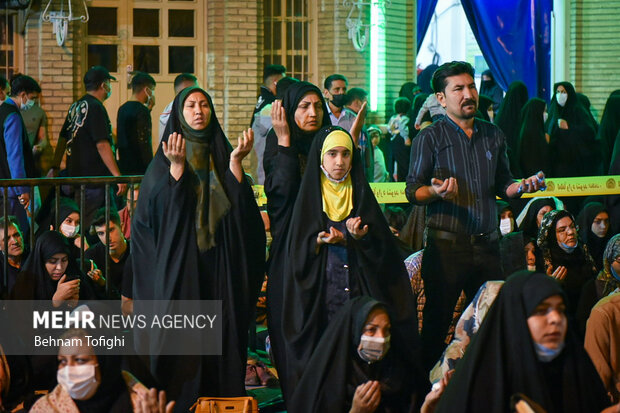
x=394, y=192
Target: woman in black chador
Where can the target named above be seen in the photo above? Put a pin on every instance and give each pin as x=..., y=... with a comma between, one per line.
x=525, y=349
x=339, y=246
x=198, y=235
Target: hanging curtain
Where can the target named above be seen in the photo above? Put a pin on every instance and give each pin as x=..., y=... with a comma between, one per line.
x=515, y=39
x=425, y=8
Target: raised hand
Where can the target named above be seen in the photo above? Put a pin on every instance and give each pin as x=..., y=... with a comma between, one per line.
x=174, y=150
x=279, y=123
x=354, y=226
x=366, y=398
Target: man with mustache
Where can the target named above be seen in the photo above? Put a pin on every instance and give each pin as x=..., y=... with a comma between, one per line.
x=458, y=165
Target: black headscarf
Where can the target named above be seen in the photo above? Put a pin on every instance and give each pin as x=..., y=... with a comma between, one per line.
x=508, y=117
x=529, y=225
x=168, y=263
x=425, y=78
x=596, y=245
x=579, y=264
x=484, y=102
x=573, y=151
x=376, y=267
x=501, y=360
x=533, y=149
x=609, y=128
x=300, y=140
x=491, y=90
x=336, y=368
x=34, y=283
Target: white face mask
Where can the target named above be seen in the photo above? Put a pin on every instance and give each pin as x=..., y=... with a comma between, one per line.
x=69, y=230
x=545, y=117
x=561, y=98
x=25, y=106
x=600, y=229
x=373, y=349
x=79, y=381
x=506, y=225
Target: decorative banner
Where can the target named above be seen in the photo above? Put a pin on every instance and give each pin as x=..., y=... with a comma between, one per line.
x=394, y=192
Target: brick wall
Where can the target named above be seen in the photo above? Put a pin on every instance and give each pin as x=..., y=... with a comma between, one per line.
x=336, y=53
x=234, y=63
x=56, y=68
x=594, y=49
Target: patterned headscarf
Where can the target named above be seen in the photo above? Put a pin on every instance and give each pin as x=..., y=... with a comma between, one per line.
x=612, y=251
x=547, y=240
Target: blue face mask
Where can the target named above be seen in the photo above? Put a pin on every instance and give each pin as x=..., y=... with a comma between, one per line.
x=614, y=273
x=567, y=248
x=545, y=354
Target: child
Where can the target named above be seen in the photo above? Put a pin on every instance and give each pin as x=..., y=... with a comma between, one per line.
x=398, y=126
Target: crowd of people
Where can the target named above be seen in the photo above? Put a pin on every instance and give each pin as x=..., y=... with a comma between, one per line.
x=455, y=301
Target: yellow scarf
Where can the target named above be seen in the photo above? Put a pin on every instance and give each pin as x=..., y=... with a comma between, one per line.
x=337, y=196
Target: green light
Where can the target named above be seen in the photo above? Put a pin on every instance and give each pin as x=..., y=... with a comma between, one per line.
x=377, y=55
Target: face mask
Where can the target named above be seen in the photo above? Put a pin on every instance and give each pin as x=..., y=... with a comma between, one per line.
x=339, y=100
x=373, y=349
x=545, y=354
x=69, y=230
x=545, y=117
x=79, y=381
x=25, y=106
x=108, y=92
x=149, y=98
x=561, y=98
x=599, y=230
x=505, y=225
x=568, y=249
x=614, y=273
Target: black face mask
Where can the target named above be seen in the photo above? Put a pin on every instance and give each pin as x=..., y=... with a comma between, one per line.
x=339, y=100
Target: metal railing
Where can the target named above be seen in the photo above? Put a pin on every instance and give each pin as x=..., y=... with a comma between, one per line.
x=56, y=183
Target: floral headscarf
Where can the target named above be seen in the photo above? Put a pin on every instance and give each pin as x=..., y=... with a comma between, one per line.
x=612, y=251
x=547, y=240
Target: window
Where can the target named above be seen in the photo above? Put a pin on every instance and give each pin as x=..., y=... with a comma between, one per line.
x=8, y=65
x=287, y=27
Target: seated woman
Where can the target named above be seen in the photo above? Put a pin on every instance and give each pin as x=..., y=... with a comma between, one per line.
x=352, y=369
x=92, y=383
x=532, y=214
x=593, y=221
x=564, y=257
x=51, y=273
x=525, y=347
x=69, y=218
x=339, y=247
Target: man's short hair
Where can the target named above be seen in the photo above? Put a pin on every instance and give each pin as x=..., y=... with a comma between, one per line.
x=447, y=70
x=23, y=83
x=332, y=78
x=402, y=105
x=12, y=221
x=271, y=70
x=356, y=93
x=141, y=80
x=99, y=219
x=184, y=77
x=3, y=83
x=284, y=84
